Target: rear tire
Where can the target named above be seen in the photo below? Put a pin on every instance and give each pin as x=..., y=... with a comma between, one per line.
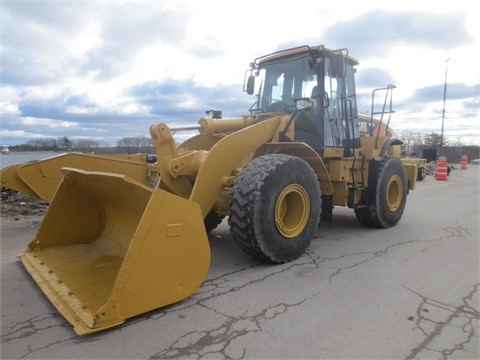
x=390, y=196
x=274, y=207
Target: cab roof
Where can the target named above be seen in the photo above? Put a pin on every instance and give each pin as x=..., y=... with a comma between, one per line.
x=299, y=50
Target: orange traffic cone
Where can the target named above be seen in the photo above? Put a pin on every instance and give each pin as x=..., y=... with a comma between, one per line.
x=442, y=171
x=464, y=162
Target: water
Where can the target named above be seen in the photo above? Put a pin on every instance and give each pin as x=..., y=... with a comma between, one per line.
x=24, y=156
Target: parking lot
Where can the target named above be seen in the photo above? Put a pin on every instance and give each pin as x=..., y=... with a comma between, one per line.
x=407, y=292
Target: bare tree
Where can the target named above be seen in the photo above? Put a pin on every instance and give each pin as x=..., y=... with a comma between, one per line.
x=458, y=142
x=414, y=142
x=135, y=144
x=433, y=140
x=46, y=144
x=65, y=143
x=85, y=145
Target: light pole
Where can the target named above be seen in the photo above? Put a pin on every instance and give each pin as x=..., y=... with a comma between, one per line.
x=444, y=98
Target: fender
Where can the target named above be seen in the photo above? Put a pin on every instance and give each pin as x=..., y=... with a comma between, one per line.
x=304, y=151
x=227, y=155
x=390, y=142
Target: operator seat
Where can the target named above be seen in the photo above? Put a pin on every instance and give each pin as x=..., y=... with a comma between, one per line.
x=305, y=129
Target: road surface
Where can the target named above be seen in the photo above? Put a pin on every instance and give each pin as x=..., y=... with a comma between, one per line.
x=408, y=292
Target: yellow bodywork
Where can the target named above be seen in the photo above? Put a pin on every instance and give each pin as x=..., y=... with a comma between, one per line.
x=419, y=163
x=110, y=248
x=122, y=237
x=378, y=127
x=41, y=178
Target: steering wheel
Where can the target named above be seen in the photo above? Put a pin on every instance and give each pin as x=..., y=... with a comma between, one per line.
x=281, y=107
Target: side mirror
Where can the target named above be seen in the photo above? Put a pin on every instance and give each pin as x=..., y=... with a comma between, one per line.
x=326, y=101
x=250, y=85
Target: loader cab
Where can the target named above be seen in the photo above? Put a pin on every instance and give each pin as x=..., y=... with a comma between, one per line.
x=325, y=77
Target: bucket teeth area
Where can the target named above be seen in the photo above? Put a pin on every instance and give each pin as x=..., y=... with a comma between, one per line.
x=103, y=237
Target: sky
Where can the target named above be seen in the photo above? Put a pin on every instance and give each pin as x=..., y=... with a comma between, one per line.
x=105, y=70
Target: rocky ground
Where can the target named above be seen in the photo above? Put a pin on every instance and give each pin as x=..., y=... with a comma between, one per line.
x=15, y=204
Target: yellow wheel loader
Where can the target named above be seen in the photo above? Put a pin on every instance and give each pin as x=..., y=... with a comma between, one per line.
x=275, y=173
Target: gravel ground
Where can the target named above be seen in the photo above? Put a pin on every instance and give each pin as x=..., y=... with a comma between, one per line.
x=15, y=205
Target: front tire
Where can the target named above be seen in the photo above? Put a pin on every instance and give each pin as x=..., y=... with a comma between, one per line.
x=274, y=207
x=390, y=196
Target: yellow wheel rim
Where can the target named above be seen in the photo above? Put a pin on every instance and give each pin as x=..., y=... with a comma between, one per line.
x=394, y=193
x=292, y=211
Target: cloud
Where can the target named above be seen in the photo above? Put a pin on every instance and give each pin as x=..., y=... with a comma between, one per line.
x=456, y=91
x=374, y=77
x=182, y=99
x=110, y=69
x=124, y=36
x=45, y=37
x=376, y=33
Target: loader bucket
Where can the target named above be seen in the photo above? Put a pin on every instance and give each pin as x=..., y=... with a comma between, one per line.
x=41, y=178
x=110, y=248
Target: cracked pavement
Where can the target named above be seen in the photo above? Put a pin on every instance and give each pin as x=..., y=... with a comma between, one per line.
x=409, y=292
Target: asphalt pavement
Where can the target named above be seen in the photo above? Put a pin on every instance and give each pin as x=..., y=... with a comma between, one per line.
x=408, y=292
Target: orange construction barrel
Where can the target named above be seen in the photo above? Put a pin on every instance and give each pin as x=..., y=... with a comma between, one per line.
x=464, y=162
x=442, y=171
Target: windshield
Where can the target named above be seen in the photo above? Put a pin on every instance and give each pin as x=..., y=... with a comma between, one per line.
x=283, y=81
x=333, y=114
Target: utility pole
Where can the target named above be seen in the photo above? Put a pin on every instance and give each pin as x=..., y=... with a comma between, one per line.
x=443, y=113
